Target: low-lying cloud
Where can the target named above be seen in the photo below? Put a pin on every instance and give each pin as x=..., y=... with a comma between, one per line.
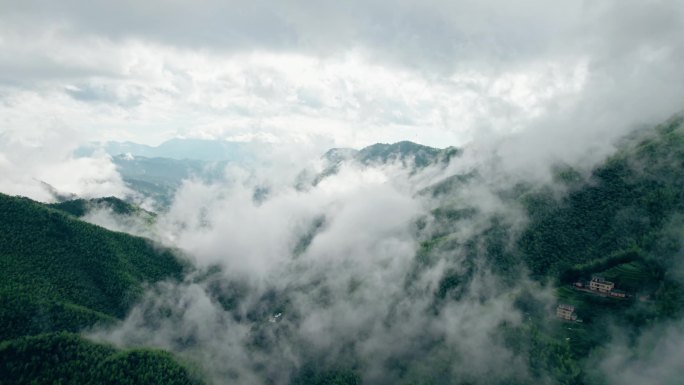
x=653, y=358
x=325, y=275
x=42, y=166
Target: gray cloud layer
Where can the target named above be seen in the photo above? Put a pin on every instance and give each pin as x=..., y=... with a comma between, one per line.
x=527, y=83
x=442, y=33
x=434, y=71
x=353, y=297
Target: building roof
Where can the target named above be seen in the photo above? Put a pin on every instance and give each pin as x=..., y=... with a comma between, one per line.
x=599, y=279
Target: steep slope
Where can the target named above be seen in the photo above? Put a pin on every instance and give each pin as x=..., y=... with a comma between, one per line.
x=198, y=149
x=69, y=359
x=159, y=178
x=630, y=210
x=80, y=207
x=60, y=274
x=408, y=154
x=55, y=266
x=405, y=151
x=623, y=222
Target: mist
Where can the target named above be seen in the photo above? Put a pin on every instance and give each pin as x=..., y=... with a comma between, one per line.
x=651, y=358
x=45, y=168
x=328, y=274
x=303, y=267
x=333, y=275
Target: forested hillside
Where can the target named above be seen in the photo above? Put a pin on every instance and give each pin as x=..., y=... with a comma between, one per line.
x=80, y=207
x=64, y=358
x=622, y=222
x=408, y=154
x=626, y=217
x=61, y=274
x=625, y=207
x=513, y=268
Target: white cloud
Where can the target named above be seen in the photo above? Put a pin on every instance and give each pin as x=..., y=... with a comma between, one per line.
x=653, y=358
x=32, y=158
x=355, y=293
x=528, y=83
x=482, y=69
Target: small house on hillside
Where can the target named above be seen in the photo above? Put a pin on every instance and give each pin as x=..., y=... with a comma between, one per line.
x=566, y=312
x=601, y=285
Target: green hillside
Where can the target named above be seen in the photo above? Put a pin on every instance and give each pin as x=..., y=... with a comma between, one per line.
x=48, y=256
x=64, y=358
x=59, y=274
x=384, y=153
x=80, y=207
x=159, y=178
x=622, y=221
x=413, y=155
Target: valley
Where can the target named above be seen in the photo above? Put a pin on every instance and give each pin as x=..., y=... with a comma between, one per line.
x=549, y=280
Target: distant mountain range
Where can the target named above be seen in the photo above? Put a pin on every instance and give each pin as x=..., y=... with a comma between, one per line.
x=180, y=149
x=159, y=178
x=408, y=154
x=381, y=153
x=157, y=171
x=622, y=221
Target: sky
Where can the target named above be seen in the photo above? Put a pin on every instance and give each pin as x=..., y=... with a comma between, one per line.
x=332, y=73
x=523, y=80
x=530, y=81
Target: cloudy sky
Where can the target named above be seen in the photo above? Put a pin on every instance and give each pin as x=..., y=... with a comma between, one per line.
x=546, y=77
x=342, y=73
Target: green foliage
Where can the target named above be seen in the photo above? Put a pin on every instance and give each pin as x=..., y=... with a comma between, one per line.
x=80, y=207
x=305, y=240
x=64, y=358
x=624, y=221
x=552, y=356
x=421, y=155
x=633, y=277
x=142, y=367
x=49, y=257
x=619, y=215
x=59, y=274
x=23, y=315
x=310, y=375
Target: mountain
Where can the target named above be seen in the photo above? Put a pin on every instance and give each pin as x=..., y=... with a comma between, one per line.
x=381, y=153
x=408, y=154
x=504, y=279
x=624, y=207
x=59, y=274
x=418, y=155
x=159, y=178
x=52, y=261
x=621, y=222
x=157, y=171
x=65, y=358
x=80, y=207
x=179, y=149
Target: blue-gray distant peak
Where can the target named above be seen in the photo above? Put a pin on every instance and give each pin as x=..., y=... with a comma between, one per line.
x=198, y=149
